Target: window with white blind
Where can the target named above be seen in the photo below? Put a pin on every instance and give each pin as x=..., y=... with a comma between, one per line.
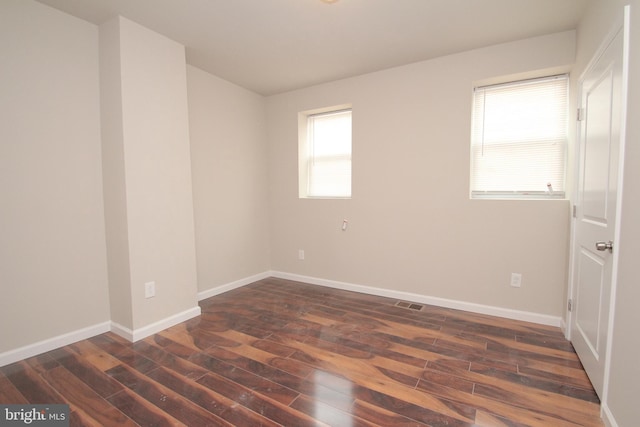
x=519, y=139
x=325, y=154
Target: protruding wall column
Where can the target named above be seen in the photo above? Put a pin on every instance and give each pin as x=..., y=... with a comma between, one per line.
x=147, y=179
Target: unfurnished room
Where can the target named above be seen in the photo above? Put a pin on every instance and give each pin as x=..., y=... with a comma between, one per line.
x=319, y=212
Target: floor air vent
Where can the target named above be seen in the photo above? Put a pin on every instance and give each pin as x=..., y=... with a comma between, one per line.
x=409, y=305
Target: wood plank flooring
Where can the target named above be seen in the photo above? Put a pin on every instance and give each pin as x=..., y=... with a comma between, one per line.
x=283, y=353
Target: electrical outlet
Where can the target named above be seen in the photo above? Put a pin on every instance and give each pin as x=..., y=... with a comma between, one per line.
x=300, y=254
x=150, y=289
x=516, y=280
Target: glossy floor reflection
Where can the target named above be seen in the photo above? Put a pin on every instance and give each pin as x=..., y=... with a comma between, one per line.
x=285, y=353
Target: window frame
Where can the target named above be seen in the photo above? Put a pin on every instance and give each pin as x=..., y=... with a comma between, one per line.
x=520, y=194
x=305, y=145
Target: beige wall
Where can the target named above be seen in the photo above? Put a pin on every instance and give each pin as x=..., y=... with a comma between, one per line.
x=228, y=156
x=113, y=175
x=412, y=226
x=53, y=277
x=156, y=164
x=620, y=401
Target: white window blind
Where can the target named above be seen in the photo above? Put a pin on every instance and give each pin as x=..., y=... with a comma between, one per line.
x=519, y=139
x=329, y=154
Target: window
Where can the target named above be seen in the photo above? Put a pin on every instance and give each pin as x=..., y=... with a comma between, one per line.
x=519, y=139
x=325, y=153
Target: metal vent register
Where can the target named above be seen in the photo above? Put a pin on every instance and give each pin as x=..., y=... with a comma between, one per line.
x=409, y=305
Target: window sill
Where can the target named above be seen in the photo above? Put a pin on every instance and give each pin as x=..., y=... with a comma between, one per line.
x=515, y=195
x=325, y=197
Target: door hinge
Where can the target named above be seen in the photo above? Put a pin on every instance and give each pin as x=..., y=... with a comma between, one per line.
x=570, y=305
x=575, y=211
x=580, y=114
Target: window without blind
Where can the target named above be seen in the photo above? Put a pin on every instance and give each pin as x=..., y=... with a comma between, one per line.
x=519, y=139
x=325, y=154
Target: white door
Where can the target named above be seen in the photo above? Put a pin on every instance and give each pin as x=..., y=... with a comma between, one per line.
x=601, y=109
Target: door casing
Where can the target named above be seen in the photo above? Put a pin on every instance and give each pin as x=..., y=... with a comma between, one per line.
x=621, y=26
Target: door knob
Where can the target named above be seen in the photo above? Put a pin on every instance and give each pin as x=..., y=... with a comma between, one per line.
x=603, y=246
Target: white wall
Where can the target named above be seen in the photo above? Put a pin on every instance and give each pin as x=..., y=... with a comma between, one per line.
x=53, y=277
x=113, y=175
x=412, y=226
x=228, y=157
x=620, y=400
x=153, y=132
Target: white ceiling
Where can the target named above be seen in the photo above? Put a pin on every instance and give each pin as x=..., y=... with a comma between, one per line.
x=272, y=46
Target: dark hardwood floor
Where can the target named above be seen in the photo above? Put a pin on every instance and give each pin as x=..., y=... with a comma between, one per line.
x=285, y=353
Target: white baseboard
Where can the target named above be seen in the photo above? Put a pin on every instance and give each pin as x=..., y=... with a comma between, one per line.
x=160, y=325
x=138, y=334
x=232, y=285
x=543, y=319
x=607, y=416
x=40, y=347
